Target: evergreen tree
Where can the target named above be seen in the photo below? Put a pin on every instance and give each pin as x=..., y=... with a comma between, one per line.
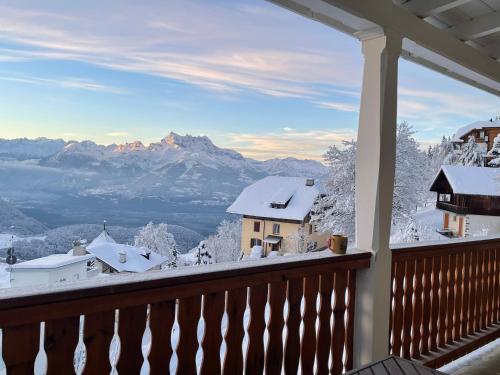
x=471, y=155
x=495, y=152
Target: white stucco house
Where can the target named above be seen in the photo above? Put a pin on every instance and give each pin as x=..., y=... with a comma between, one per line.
x=52, y=269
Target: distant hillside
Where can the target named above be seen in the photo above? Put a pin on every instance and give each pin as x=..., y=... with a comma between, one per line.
x=14, y=221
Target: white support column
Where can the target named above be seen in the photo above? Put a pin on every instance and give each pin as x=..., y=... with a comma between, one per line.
x=375, y=167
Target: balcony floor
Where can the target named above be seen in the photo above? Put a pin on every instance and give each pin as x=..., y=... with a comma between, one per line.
x=483, y=361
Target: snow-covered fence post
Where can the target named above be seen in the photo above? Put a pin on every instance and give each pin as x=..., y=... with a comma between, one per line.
x=375, y=169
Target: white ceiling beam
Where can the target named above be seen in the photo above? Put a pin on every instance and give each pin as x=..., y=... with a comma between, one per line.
x=426, y=8
x=477, y=27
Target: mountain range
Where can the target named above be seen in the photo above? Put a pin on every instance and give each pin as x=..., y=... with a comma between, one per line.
x=183, y=178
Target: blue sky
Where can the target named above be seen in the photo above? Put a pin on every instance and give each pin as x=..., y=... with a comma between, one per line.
x=248, y=74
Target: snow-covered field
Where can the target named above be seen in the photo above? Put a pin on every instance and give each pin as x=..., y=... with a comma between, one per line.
x=4, y=276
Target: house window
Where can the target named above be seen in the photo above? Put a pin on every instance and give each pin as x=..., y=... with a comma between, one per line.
x=255, y=242
x=455, y=218
x=310, y=228
x=445, y=198
x=256, y=226
x=481, y=134
x=276, y=229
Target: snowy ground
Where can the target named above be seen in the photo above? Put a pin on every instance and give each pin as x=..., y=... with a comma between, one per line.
x=4, y=276
x=483, y=361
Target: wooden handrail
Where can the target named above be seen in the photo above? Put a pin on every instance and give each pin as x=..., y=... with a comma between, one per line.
x=185, y=296
x=445, y=298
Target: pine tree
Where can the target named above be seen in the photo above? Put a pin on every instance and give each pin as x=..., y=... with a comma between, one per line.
x=495, y=152
x=471, y=155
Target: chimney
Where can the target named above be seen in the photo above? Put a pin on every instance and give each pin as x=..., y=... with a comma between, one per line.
x=122, y=257
x=310, y=182
x=79, y=247
x=147, y=253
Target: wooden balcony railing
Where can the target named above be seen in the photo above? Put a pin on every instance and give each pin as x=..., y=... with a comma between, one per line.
x=445, y=299
x=247, y=306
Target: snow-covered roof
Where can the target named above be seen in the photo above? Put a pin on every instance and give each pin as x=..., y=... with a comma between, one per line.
x=52, y=261
x=109, y=253
x=472, y=180
x=101, y=239
x=256, y=199
x=464, y=130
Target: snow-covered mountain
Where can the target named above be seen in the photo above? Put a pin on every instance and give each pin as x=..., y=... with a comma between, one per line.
x=190, y=172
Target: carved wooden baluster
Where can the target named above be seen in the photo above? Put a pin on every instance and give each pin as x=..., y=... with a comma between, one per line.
x=274, y=350
x=473, y=292
x=451, y=299
x=426, y=307
x=484, y=292
x=408, y=308
x=466, y=294
x=61, y=339
x=131, y=326
x=458, y=296
x=255, y=352
x=338, y=333
x=161, y=320
x=491, y=286
x=324, y=330
x=397, y=322
x=292, y=344
x=351, y=303
x=443, y=300
x=235, y=308
x=479, y=289
x=417, y=309
x=188, y=318
x=20, y=345
x=496, y=294
x=308, y=345
x=98, y=332
x=436, y=285
x=213, y=310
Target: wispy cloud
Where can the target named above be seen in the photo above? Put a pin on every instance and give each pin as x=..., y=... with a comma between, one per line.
x=338, y=106
x=67, y=83
x=190, y=42
x=117, y=134
x=311, y=144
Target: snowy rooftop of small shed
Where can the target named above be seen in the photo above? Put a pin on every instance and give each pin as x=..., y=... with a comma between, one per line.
x=464, y=130
x=256, y=199
x=52, y=261
x=472, y=180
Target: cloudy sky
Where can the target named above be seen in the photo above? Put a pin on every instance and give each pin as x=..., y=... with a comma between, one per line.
x=248, y=74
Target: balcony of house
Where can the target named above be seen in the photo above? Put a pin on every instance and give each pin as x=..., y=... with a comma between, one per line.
x=275, y=315
x=446, y=206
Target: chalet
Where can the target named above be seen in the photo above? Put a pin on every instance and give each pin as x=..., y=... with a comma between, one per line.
x=469, y=198
x=113, y=257
x=484, y=133
x=276, y=214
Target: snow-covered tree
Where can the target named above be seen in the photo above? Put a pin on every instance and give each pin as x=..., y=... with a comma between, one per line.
x=495, y=153
x=225, y=244
x=335, y=212
x=158, y=239
x=409, y=182
x=471, y=155
x=299, y=241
